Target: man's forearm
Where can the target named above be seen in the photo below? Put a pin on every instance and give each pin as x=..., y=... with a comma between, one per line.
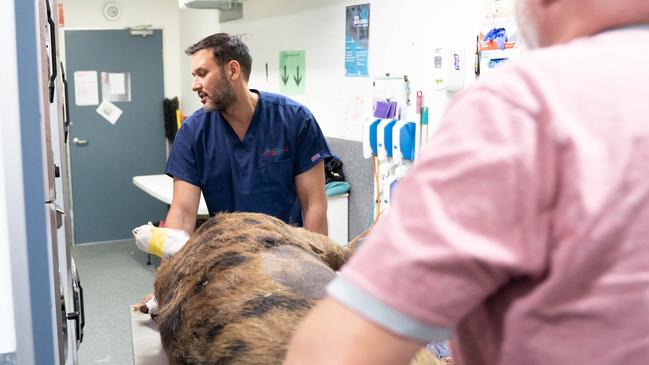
x=178, y=219
x=315, y=218
x=333, y=334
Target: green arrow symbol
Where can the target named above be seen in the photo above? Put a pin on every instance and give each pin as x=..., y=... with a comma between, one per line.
x=285, y=76
x=297, y=78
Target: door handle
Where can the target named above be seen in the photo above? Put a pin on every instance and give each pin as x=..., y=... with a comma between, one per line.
x=66, y=121
x=55, y=64
x=79, y=142
x=59, y=216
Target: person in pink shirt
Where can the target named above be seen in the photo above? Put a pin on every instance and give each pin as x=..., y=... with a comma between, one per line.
x=522, y=231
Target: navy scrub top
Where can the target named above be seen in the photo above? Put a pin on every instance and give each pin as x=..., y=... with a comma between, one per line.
x=258, y=173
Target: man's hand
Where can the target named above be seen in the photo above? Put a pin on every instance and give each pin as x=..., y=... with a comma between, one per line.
x=160, y=241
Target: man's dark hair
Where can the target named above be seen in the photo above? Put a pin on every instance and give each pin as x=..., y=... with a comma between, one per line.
x=225, y=48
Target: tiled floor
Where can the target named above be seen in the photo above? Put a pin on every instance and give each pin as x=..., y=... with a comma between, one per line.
x=113, y=276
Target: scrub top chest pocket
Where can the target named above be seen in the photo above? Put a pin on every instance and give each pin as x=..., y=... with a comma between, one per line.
x=277, y=171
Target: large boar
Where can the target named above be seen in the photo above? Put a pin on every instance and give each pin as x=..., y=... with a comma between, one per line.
x=237, y=290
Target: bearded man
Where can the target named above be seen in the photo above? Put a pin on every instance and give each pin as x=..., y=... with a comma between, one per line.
x=245, y=150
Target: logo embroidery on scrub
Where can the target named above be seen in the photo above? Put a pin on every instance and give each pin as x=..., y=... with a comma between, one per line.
x=315, y=157
x=272, y=152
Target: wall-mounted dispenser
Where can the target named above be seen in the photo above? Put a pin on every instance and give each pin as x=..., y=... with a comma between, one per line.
x=456, y=70
x=369, y=137
x=440, y=69
x=384, y=139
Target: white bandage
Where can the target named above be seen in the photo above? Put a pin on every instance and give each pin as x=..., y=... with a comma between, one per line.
x=152, y=305
x=162, y=242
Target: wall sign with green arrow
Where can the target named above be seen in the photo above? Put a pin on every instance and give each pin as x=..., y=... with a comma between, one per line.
x=291, y=72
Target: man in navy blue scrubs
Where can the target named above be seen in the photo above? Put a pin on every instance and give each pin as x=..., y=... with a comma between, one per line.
x=246, y=150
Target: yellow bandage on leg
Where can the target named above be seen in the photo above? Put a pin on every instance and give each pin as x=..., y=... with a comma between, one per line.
x=162, y=242
x=157, y=241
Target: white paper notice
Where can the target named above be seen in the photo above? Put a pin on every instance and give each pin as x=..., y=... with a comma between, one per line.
x=116, y=82
x=109, y=111
x=86, y=89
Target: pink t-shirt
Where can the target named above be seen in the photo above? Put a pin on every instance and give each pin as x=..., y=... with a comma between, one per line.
x=524, y=225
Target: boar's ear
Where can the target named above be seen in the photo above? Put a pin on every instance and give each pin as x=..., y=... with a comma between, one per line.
x=331, y=254
x=335, y=259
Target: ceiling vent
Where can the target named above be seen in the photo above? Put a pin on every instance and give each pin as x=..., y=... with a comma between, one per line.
x=210, y=4
x=228, y=9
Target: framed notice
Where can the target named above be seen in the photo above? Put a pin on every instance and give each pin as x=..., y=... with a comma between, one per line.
x=357, y=36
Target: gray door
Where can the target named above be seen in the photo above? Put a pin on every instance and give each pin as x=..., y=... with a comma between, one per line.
x=103, y=156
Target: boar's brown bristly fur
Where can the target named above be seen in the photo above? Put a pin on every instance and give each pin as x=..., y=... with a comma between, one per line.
x=235, y=293
x=238, y=289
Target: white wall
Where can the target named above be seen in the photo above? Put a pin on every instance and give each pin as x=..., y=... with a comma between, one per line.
x=194, y=25
x=403, y=36
x=161, y=14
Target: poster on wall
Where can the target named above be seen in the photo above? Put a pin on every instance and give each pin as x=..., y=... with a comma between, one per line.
x=116, y=86
x=86, y=91
x=357, y=37
x=291, y=72
x=109, y=111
